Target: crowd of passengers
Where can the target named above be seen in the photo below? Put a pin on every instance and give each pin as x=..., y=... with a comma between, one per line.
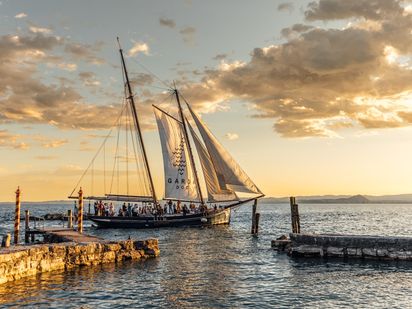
x=133, y=210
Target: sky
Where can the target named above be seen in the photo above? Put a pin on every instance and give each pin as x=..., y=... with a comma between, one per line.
x=310, y=97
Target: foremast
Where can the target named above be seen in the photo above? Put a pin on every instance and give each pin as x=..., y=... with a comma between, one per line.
x=192, y=161
x=130, y=98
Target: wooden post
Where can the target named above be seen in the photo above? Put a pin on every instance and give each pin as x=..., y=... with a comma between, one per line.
x=6, y=241
x=253, y=231
x=17, y=217
x=27, y=227
x=69, y=219
x=257, y=223
x=80, y=214
x=294, y=211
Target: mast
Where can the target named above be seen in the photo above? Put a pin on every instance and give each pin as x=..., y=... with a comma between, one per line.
x=188, y=145
x=136, y=121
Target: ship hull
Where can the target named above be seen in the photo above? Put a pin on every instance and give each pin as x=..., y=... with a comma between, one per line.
x=143, y=222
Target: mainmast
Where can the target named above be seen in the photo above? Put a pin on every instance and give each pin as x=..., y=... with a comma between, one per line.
x=136, y=121
x=188, y=145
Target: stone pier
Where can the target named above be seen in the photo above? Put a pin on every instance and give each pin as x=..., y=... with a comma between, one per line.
x=350, y=246
x=23, y=261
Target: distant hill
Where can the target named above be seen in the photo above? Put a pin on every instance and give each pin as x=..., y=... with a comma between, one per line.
x=356, y=199
x=344, y=199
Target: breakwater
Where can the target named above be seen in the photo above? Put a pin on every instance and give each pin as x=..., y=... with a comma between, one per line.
x=350, y=246
x=23, y=261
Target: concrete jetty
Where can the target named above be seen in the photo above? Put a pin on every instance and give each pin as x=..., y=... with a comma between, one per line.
x=346, y=246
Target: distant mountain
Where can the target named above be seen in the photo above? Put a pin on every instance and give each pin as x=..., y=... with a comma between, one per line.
x=344, y=199
x=356, y=199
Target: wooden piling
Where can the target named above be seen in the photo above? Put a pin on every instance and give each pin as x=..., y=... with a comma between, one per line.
x=69, y=219
x=80, y=214
x=294, y=211
x=257, y=223
x=17, y=217
x=253, y=217
x=6, y=241
x=27, y=227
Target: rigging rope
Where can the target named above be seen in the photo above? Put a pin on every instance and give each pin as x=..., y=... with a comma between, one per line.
x=97, y=153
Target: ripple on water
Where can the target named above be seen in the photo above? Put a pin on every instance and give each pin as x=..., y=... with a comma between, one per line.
x=225, y=267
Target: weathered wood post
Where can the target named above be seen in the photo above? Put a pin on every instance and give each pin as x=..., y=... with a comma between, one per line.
x=257, y=223
x=17, y=217
x=69, y=219
x=294, y=211
x=253, y=218
x=80, y=214
x=27, y=227
x=6, y=241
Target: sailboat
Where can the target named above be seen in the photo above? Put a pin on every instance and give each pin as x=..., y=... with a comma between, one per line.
x=184, y=203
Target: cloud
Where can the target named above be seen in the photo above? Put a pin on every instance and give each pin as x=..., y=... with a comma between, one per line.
x=35, y=29
x=220, y=57
x=20, y=15
x=336, y=9
x=12, y=141
x=89, y=79
x=188, y=35
x=63, y=66
x=86, y=52
x=46, y=158
x=142, y=79
x=232, y=136
x=55, y=143
x=286, y=6
x=138, y=47
x=26, y=99
x=324, y=79
x=166, y=22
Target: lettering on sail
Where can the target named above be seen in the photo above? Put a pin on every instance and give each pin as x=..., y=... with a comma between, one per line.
x=179, y=161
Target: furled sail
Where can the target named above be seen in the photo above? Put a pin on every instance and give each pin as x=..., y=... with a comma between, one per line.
x=227, y=169
x=179, y=174
x=217, y=192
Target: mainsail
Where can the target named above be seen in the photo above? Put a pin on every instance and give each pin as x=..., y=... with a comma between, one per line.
x=228, y=171
x=179, y=174
x=217, y=191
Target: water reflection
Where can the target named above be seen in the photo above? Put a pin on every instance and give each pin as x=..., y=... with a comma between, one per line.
x=226, y=267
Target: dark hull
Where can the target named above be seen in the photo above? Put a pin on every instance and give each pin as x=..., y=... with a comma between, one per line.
x=144, y=222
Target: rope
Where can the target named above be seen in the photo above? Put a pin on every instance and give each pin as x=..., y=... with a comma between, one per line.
x=98, y=151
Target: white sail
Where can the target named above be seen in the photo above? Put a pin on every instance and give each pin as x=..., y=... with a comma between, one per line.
x=179, y=175
x=227, y=169
x=217, y=192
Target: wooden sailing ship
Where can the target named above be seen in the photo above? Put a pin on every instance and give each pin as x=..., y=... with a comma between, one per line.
x=223, y=177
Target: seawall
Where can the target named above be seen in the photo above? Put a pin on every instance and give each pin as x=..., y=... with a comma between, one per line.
x=23, y=261
x=350, y=246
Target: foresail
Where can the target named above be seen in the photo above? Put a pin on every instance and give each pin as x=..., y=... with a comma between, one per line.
x=217, y=192
x=227, y=169
x=179, y=174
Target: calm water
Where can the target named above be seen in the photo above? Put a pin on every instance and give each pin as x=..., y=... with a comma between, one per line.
x=225, y=267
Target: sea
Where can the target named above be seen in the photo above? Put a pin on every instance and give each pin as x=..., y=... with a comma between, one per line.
x=226, y=267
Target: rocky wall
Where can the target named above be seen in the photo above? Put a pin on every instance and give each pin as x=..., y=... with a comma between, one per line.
x=351, y=246
x=22, y=261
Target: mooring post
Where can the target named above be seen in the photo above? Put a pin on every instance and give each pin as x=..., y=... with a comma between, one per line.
x=254, y=218
x=69, y=219
x=6, y=241
x=27, y=227
x=17, y=217
x=257, y=223
x=294, y=211
x=80, y=215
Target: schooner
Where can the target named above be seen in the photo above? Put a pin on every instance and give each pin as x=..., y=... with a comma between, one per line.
x=184, y=203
